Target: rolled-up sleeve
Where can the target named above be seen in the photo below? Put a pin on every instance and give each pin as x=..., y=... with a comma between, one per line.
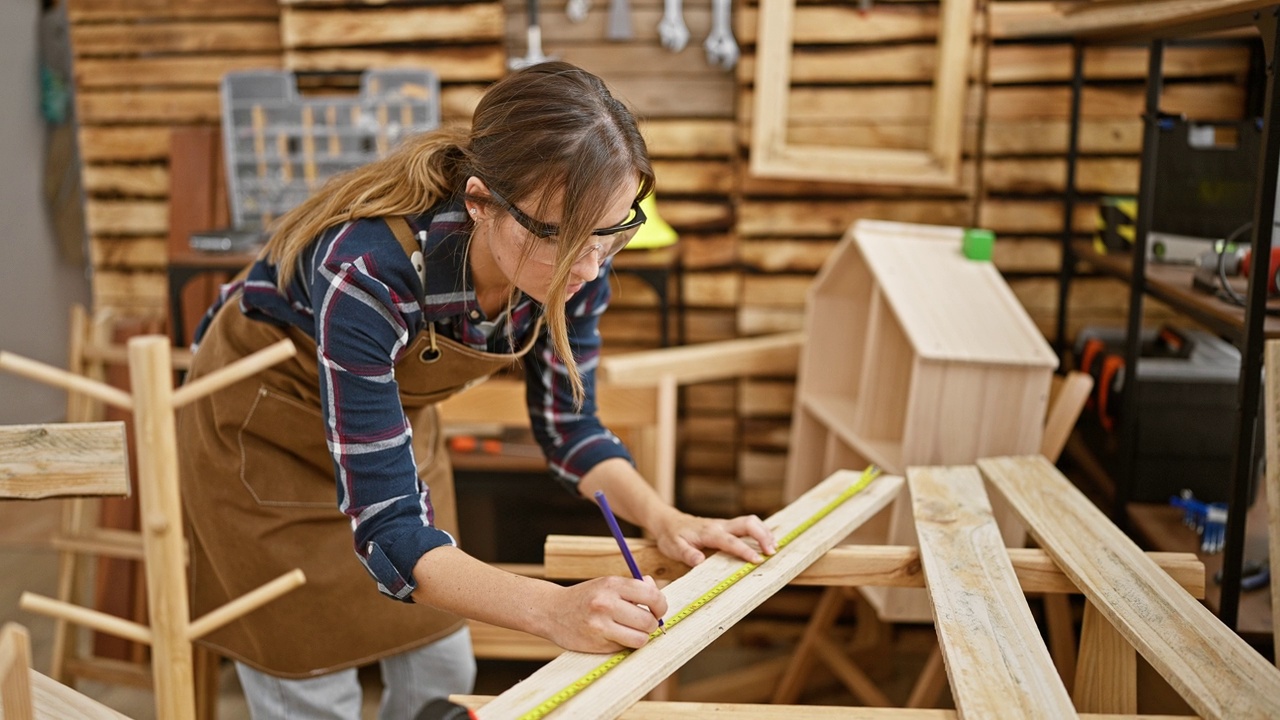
x=573, y=439
x=363, y=306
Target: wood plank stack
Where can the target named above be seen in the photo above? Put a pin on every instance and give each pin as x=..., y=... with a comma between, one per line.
x=750, y=245
x=333, y=41
x=142, y=68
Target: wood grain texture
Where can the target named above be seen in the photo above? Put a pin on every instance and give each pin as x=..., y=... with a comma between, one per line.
x=1271, y=417
x=996, y=661
x=63, y=459
x=613, y=693
x=1207, y=664
x=570, y=557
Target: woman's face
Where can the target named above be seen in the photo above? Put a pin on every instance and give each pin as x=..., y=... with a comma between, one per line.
x=509, y=240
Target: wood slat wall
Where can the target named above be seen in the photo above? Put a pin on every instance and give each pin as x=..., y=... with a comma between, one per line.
x=750, y=245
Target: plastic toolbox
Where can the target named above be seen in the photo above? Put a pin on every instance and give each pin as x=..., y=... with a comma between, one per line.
x=280, y=145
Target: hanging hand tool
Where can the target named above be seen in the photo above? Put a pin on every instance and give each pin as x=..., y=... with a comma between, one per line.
x=672, y=31
x=722, y=49
x=619, y=27
x=577, y=10
x=533, y=43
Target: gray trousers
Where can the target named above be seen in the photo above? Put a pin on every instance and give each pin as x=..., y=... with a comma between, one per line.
x=409, y=681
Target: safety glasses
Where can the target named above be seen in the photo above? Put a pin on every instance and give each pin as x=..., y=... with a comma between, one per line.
x=613, y=238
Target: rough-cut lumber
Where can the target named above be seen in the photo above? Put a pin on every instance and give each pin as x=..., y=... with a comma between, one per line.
x=1207, y=664
x=649, y=710
x=1132, y=19
x=569, y=557
x=609, y=695
x=64, y=459
x=996, y=661
x=307, y=27
x=768, y=355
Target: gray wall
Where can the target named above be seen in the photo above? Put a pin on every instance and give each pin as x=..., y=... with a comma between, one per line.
x=36, y=287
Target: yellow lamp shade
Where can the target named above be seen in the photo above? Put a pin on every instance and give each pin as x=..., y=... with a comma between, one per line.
x=655, y=232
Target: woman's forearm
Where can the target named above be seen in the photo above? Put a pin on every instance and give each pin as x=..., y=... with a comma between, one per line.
x=600, y=615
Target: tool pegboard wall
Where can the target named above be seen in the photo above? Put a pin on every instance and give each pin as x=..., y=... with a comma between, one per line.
x=280, y=146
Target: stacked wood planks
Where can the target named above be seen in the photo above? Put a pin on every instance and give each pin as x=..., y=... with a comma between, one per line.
x=141, y=69
x=750, y=245
x=461, y=42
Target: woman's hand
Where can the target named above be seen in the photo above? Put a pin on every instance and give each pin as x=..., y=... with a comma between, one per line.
x=605, y=614
x=686, y=537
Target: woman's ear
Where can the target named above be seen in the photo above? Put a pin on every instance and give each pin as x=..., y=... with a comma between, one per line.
x=476, y=188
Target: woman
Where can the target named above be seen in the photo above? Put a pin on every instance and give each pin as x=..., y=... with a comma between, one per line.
x=401, y=283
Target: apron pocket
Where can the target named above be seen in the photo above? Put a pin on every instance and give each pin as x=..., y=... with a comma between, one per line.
x=284, y=459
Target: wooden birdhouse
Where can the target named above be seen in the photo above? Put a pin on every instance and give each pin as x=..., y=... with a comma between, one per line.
x=915, y=356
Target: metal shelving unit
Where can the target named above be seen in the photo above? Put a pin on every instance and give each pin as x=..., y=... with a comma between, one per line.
x=1090, y=27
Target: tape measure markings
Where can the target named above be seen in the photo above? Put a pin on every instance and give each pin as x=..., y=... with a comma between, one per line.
x=577, y=686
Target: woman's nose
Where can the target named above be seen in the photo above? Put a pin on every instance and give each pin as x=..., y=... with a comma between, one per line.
x=587, y=266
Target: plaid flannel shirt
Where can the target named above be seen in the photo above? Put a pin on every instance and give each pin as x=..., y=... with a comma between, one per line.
x=357, y=294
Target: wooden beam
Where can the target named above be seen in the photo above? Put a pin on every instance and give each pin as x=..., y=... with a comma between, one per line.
x=611, y=694
x=1133, y=20
x=1106, y=677
x=570, y=557
x=996, y=661
x=1206, y=663
x=739, y=711
x=63, y=459
x=1271, y=418
x=768, y=355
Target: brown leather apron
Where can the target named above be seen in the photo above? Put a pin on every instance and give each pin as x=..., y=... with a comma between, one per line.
x=260, y=496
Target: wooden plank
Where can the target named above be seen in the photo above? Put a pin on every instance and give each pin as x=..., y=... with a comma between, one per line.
x=798, y=255
x=55, y=701
x=144, y=38
x=167, y=70
x=831, y=218
x=1106, y=675
x=852, y=64
x=699, y=363
x=126, y=217
x=1025, y=176
x=15, y=663
x=344, y=27
x=451, y=63
x=126, y=180
x=122, y=144
x=104, y=10
x=1115, y=136
x=1207, y=664
x=688, y=138
x=845, y=24
x=147, y=105
x=661, y=710
x=568, y=557
x=996, y=661
x=613, y=693
x=63, y=459
x=1017, y=63
x=149, y=253
x=1130, y=19
x=1271, y=418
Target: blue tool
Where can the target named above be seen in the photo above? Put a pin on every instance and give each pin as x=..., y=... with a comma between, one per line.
x=622, y=542
x=1209, y=520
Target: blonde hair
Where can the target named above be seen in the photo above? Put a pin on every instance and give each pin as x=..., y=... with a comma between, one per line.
x=552, y=125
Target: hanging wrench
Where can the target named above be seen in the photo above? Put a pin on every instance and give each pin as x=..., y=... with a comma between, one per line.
x=722, y=49
x=672, y=31
x=577, y=10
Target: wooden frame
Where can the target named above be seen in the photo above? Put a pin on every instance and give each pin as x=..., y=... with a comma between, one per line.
x=994, y=656
x=938, y=165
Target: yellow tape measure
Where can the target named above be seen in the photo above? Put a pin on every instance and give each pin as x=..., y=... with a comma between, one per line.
x=577, y=686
